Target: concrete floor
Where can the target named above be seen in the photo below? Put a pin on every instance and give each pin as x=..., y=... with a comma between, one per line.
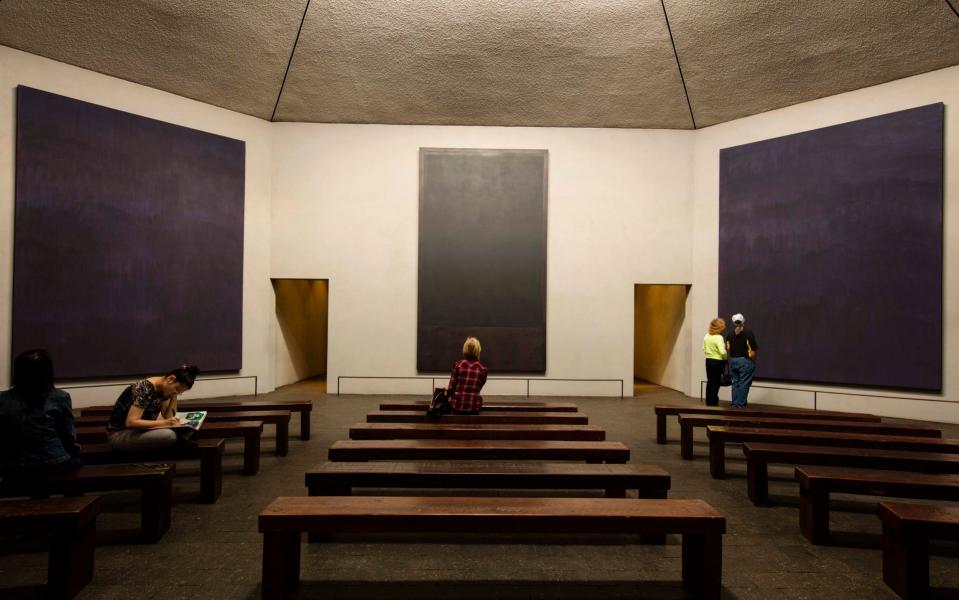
x=214, y=551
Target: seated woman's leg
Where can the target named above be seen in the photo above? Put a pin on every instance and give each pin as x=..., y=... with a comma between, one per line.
x=137, y=440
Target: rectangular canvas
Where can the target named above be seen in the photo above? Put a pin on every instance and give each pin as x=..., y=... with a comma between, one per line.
x=830, y=243
x=128, y=240
x=482, y=258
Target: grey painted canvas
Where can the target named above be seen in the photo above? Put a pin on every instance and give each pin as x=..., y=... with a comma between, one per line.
x=482, y=257
x=830, y=243
x=128, y=241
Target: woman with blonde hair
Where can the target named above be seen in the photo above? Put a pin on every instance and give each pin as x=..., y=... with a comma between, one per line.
x=467, y=378
x=714, y=347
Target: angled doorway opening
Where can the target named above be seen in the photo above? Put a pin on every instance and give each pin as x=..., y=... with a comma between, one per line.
x=661, y=337
x=302, y=316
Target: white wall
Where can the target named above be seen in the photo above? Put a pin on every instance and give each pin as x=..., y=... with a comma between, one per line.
x=21, y=68
x=938, y=86
x=345, y=206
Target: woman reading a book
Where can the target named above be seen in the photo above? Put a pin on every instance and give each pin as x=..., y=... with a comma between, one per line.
x=145, y=412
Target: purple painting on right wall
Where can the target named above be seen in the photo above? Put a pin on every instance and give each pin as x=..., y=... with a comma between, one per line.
x=830, y=244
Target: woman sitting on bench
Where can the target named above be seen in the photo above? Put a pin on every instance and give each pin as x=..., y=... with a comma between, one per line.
x=145, y=412
x=466, y=381
x=37, y=436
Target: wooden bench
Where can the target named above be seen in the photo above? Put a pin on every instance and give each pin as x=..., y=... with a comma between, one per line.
x=364, y=450
x=155, y=482
x=304, y=407
x=282, y=522
x=906, y=531
x=487, y=418
x=280, y=419
x=208, y=452
x=456, y=431
x=665, y=410
x=816, y=483
x=250, y=432
x=687, y=424
x=720, y=435
x=759, y=455
x=72, y=526
x=492, y=406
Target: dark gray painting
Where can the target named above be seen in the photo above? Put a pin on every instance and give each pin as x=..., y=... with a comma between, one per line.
x=830, y=243
x=482, y=258
x=128, y=242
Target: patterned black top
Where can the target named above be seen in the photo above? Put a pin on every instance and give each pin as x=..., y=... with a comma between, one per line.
x=142, y=394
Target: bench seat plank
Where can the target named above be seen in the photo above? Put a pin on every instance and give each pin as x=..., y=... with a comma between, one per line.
x=480, y=431
x=817, y=483
x=664, y=410
x=154, y=481
x=363, y=450
x=71, y=524
x=489, y=418
x=492, y=406
x=760, y=454
x=720, y=435
x=906, y=531
x=687, y=423
x=208, y=452
x=282, y=521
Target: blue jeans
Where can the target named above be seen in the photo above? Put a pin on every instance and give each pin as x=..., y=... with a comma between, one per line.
x=741, y=372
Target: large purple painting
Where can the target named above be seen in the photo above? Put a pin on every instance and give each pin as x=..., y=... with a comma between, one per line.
x=128, y=243
x=830, y=243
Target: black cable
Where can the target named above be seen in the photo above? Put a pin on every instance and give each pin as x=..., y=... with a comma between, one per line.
x=679, y=66
x=290, y=62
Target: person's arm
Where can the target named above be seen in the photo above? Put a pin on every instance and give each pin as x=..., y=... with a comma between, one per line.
x=168, y=407
x=135, y=420
x=753, y=346
x=722, y=349
x=481, y=380
x=454, y=379
x=66, y=428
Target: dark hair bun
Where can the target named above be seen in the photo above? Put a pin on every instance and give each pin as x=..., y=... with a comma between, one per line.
x=185, y=374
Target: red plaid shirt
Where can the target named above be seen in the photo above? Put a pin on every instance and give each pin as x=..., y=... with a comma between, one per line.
x=466, y=381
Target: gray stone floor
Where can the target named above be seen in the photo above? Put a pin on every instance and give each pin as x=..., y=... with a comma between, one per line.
x=214, y=551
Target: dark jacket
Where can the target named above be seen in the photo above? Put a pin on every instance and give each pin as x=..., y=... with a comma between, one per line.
x=36, y=435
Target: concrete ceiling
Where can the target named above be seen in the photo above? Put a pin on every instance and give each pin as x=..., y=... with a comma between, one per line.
x=582, y=63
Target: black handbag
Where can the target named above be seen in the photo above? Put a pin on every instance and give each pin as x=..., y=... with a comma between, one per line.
x=440, y=404
x=726, y=380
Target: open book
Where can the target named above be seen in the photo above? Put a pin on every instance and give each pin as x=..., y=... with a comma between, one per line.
x=192, y=419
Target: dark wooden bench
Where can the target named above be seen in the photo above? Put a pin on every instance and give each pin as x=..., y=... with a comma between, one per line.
x=720, y=435
x=759, y=455
x=457, y=431
x=155, y=482
x=280, y=419
x=492, y=406
x=687, y=424
x=488, y=418
x=71, y=524
x=304, y=407
x=250, y=432
x=816, y=483
x=906, y=531
x=666, y=410
x=208, y=452
x=282, y=522
x=363, y=450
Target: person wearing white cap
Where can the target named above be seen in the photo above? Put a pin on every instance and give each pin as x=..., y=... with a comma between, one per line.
x=741, y=345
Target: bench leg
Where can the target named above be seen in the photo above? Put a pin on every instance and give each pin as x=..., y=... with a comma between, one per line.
x=71, y=560
x=305, y=424
x=717, y=459
x=757, y=475
x=814, y=515
x=686, y=441
x=282, y=438
x=905, y=563
x=660, y=428
x=703, y=564
x=251, y=454
x=281, y=564
x=211, y=478
x=652, y=538
x=156, y=504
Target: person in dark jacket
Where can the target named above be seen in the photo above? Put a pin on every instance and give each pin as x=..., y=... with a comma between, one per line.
x=741, y=345
x=37, y=431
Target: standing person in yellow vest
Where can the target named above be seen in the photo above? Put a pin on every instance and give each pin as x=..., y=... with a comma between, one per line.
x=714, y=347
x=742, y=347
